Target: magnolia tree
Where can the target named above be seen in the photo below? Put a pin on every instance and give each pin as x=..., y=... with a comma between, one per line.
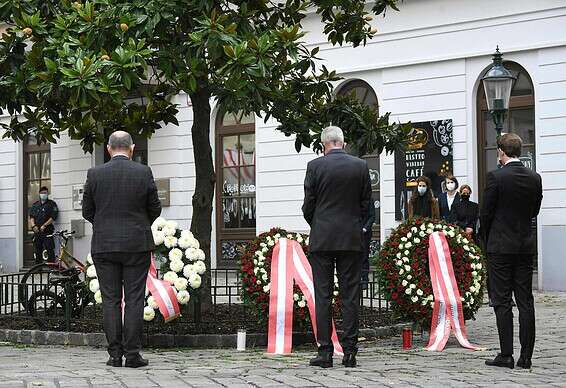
x=89, y=68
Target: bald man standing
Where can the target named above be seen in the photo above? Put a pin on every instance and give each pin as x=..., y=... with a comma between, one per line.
x=120, y=200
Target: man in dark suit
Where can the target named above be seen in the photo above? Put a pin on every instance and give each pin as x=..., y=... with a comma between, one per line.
x=337, y=197
x=512, y=198
x=120, y=200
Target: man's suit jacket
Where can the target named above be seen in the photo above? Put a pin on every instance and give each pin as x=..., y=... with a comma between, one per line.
x=512, y=198
x=337, y=198
x=120, y=200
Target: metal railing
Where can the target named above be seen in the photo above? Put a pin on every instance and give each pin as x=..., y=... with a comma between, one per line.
x=225, y=313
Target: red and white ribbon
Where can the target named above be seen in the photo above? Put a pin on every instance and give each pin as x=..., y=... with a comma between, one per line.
x=289, y=263
x=447, y=313
x=163, y=294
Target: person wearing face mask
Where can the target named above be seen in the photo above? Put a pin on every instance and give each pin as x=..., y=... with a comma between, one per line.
x=422, y=202
x=465, y=213
x=449, y=198
x=512, y=198
x=42, y=215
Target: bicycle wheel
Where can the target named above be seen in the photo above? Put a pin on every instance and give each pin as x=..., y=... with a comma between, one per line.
x=44, y=304
x=35, y=279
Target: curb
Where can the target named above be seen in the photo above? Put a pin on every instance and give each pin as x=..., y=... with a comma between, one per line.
x=211, y=341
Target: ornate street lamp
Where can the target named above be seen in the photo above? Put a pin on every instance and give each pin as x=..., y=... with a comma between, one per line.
x=497, y=83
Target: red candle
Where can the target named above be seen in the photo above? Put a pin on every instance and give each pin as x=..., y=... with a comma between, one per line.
x=407, y=338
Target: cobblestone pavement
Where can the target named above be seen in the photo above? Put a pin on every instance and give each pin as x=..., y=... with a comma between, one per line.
x=382, y=363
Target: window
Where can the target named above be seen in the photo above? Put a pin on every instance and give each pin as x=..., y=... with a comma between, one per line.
x=364, y=93
x=520, y=119
x=235, y=185
x=37, y=173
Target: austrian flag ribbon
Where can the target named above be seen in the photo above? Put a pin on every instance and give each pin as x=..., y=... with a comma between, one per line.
x=163, y=294
x=288, y=264
x=447, y=314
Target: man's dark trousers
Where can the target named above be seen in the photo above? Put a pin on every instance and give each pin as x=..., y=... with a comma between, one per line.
x=127, y=271
x=40, y=243
x=348, y=267
x=510, y=274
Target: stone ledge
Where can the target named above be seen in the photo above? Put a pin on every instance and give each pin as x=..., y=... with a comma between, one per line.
x=38, y=337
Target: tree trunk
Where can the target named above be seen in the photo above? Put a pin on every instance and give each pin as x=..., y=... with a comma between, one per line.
x=201, y=224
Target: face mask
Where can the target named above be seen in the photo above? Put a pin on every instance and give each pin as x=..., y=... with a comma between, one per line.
x=451, y=186
x=465, y=196
x=422, y=190
x=43, y=197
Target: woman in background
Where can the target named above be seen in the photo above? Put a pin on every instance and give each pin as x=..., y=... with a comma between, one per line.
x=449, y=198
x=465, y=214
x=422, y=202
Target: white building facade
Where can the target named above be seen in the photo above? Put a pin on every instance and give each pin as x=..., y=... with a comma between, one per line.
x=425, y=64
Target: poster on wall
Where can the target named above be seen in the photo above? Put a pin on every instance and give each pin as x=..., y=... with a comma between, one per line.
x=429, y=153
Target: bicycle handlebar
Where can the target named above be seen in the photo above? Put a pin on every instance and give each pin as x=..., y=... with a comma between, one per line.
x=62, y=233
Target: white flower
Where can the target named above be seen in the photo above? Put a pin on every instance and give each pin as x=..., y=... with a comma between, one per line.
x=408, y=245
x=264, y=277
x=89, y=259
x=399, y=263
x=404, y=239
x=277, y=236
x=199, y=267
x=271, y=243
x=417, y=240
x=267, y=288
x=420, y=292
x=398, y=255
x=295, y=297
x=414, y=299
x=466, y=248
x=168, y=231
x=424, y=302
x=93, y=285
x=431, y=297
x=307, y=241
x=181, y=283
x=408, y=268
x=404, y=283
x=159, y=223
x=335, y=292
x=148, y=313
x=409, y=277
x=183, y=297
x=301, y=303
x=405, y=259
x=158, y=237
x=172, y=224
x=187, y=233
x=170, y=241
x=185, y=241
x=471, y=301
x=194, y=243
x=401, y=272
x=152, y=303
x=188, y=270
x=422, y=234
x=170, y=277
x=91, y=271
x=300, y=239
x=407, y=253
x=474, y=273
x=423, y=227
x=191, y=254
x=401, y=246
x=430, y=225
x=195, y=281
x=429, y=231
x=264, y=250
x=412, y=286
x=438, y=226
x=255, y=261
x=98, y=297
x=409, y=235
x=408, y=291
x=200, y=254
x=175, y=254
x=472, y=289
x=478, y=266
x=414, y=229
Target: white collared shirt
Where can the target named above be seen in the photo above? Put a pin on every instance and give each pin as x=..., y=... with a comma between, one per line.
x=450, y=200
x=511, y=160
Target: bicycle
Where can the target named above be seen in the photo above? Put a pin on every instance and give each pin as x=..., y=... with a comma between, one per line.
x=59, y=282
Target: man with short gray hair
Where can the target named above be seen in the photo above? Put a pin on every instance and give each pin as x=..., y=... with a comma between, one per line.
x=337, y=199
x=120, y=200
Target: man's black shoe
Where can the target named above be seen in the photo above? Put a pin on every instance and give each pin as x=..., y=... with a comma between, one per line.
x=136, y=362
x=349, y=360
x=114, y=361
x=524, y=363
x=322, y=360
x=502, y=361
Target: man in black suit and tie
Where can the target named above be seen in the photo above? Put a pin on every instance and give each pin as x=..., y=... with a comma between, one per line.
x=337, y=198
x=512, y=198
x=120, y=200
